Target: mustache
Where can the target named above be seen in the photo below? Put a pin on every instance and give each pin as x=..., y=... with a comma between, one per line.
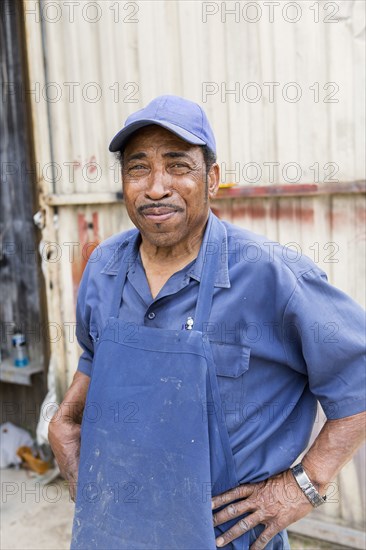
x=144, y=207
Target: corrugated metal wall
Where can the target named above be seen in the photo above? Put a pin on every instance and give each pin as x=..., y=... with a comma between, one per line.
x=276, y=92
x=282, y=83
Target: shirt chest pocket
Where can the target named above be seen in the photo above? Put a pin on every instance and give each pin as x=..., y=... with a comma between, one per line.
x=231, y=363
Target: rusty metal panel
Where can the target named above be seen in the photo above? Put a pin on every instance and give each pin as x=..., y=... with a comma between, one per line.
x=330, y=229
x=81, y=229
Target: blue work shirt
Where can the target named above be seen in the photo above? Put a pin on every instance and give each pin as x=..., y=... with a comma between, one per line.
x=282, y=337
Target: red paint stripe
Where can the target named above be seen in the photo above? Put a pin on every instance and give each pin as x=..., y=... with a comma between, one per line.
x=292, y=190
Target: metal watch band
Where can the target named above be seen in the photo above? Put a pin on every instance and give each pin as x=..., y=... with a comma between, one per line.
x=307, y=487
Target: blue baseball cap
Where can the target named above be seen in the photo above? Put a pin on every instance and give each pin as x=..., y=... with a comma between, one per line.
x=184, y=118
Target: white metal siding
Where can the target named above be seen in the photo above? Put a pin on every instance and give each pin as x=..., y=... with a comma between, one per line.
x=170, y=49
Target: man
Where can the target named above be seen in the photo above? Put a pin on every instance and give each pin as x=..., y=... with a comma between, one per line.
x=201, y=370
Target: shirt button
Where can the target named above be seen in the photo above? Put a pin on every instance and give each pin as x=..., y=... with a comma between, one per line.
x=151, y=315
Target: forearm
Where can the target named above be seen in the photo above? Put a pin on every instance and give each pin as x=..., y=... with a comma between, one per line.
x=72, y=406
x=267, y=502
x=333, y=448
x=64, y=429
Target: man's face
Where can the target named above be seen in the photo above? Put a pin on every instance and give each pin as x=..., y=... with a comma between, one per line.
x=165, y=186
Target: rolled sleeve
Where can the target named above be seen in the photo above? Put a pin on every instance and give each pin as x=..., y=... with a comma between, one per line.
x=85, y=363
x=324, y=338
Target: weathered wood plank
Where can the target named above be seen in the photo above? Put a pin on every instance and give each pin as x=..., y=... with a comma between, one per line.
x=331, y=532
x=19, y=266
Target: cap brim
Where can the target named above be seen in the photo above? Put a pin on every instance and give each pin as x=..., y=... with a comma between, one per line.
x=119, y=140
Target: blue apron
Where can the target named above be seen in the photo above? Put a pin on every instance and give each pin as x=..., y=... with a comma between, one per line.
x=154, y=444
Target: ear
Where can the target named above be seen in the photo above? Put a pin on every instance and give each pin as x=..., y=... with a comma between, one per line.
x=213, y=178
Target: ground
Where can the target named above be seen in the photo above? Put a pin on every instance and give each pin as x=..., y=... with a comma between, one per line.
x=39, y=517
x=34, y=517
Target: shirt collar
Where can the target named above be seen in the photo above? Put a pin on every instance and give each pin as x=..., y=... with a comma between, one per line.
x=215, y=235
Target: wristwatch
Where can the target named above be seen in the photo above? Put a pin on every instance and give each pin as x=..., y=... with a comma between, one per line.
x=307, y=487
